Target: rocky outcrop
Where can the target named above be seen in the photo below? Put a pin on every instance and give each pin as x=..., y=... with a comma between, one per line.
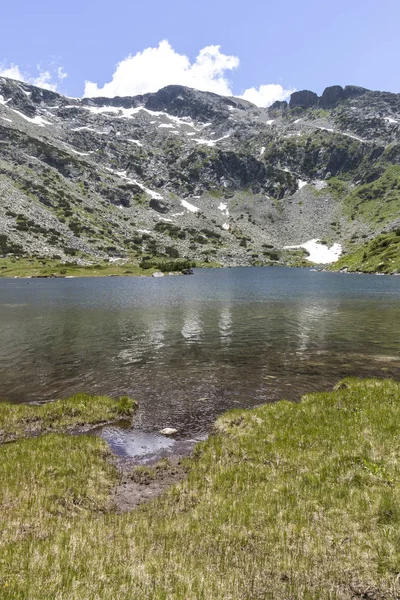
x=303, y=99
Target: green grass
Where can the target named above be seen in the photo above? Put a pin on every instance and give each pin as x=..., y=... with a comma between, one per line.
x=30, y=267
x=285, y=501
x=380, y=255
x=20, y=420
x=377, y=202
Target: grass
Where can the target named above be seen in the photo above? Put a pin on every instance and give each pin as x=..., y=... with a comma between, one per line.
x=30, y=267
x=377, y=202
x=21, y=420
x=380, y=255
x=285, y=501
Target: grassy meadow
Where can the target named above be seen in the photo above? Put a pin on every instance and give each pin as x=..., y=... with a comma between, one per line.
x=286, y=501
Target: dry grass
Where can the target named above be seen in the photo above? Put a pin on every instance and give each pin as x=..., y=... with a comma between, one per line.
x=286, y=501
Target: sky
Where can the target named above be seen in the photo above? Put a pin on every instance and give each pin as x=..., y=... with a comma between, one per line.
x=261, y=50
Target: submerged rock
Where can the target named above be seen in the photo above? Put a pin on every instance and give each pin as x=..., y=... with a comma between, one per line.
x=168, y=431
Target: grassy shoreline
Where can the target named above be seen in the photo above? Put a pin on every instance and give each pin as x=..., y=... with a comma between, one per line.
x=284, y=501
x=81, y=410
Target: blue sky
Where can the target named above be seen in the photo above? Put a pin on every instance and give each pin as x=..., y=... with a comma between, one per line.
x=297, y=44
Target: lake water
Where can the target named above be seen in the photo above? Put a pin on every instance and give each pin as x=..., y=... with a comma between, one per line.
x=189, y=348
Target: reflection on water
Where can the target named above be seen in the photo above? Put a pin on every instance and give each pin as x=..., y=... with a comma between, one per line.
x=188, y=348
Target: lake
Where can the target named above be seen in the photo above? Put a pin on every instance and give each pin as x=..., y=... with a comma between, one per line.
x=188, y=348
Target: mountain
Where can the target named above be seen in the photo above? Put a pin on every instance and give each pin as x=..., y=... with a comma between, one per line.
x=187, y=174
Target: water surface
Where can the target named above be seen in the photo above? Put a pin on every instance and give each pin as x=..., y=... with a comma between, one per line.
x=188, y=348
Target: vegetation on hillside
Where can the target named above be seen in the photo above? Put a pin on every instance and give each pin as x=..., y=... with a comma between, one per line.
x=380, y=255
x=284, y=501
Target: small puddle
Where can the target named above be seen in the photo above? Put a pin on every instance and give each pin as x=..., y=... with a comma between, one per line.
x=145, y=447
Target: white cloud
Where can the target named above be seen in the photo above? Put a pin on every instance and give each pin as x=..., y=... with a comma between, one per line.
x=154, y=68
x=265, y=95
x=44, y=79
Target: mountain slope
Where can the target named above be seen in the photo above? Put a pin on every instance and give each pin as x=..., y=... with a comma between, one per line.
x=189, y=174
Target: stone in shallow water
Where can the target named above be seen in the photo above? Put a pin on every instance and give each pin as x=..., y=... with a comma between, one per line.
x=168, y=431
x=158, y=274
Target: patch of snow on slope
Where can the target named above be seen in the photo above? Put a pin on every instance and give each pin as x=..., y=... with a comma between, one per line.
x=79, y=153
x=225, y=226
x=189, y=206
x=302, y=183
x=123, y=175
x=319, y=253
x=4, y=102
x=5, y=119
x=166, y=126
x=390, y=120
x=35, y=120
x=136, y=142
x=262, y=151
x=86, y=128
x=270, y=121
x=296, y=121
x=224, y=207
x=210, y=143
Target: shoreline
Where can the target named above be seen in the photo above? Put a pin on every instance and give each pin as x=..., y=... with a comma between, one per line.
x=309, y=488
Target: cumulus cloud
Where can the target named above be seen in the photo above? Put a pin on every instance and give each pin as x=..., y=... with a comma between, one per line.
x=45, y=78
x=154, y=68
x=265, y=95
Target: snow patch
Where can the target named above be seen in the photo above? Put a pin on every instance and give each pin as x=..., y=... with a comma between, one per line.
x=123, y=175
x=79, y=153
x=262, y=151
x=270, y=121
x=136, y=142
x=35, y=120
x=5, y=119
x=390, y=120
x=166, y=126
x=319, y=253
x=302, y=183
x=211, y=143
x=296, y=121
x=189, y=206
x=225, y=226
x=144, y=231
x=86, y=128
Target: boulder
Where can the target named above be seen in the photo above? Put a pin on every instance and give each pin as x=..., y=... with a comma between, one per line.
x=187, y=272
x=159, y=206
x=158, y=274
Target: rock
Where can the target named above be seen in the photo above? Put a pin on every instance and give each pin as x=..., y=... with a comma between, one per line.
x=159, y=206
x=158, y=274
x=168, y=431
x=187, y=272
x=304, y=99
x=331, y=96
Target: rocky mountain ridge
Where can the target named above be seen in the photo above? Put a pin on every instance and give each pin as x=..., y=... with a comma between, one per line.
x=186, y=174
